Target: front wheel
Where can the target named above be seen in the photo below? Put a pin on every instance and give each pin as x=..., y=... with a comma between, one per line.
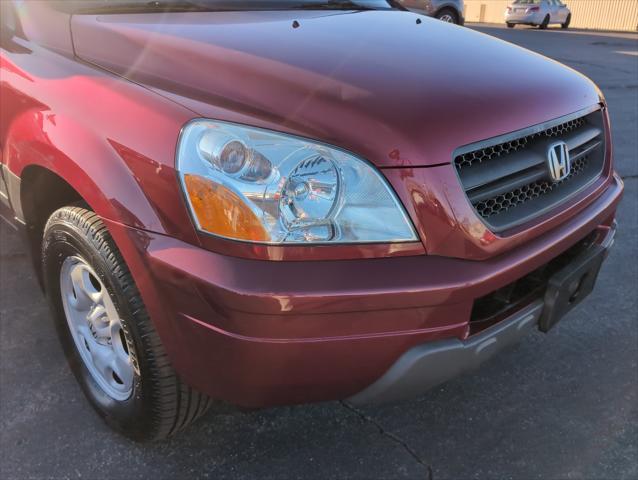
x=567, y=22
x=110, y=343
x=447, y=15
x=545, y=23
x=510, y=25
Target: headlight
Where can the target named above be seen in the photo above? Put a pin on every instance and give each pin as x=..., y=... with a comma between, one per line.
x=260, y=186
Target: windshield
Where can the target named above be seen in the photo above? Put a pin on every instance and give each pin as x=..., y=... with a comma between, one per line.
x=536, y=2
x=123, y=6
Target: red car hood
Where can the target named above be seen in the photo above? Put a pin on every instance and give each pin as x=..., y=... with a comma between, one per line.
x=397, y=92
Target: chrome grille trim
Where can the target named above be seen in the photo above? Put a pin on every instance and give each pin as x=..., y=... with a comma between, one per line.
x=506, y=178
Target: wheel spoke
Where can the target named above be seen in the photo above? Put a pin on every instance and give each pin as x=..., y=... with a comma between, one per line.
x=121, y=365
x=79, y=280
x=114, y=331
x=84, y=288
x=76, y=299
x=101, y=355
x=103, y=359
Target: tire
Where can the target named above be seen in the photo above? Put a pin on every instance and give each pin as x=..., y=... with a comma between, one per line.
x=545, y=23
x=447, y=15
x=510, y=25
x=143, y=398
x=568, y=20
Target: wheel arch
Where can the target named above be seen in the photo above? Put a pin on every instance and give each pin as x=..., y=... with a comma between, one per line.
x=53, y=162
x=453, y=8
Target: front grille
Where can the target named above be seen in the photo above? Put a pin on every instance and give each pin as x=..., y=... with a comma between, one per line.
x=506, y=201
x=502, y=149
x=507, y=178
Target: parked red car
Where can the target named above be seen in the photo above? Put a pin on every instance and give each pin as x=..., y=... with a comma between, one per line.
x=280, y=202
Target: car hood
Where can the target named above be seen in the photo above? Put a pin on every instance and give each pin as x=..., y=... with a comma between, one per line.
x=394, y=87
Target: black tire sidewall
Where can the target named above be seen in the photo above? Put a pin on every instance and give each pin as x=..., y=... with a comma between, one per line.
x=64, y=239
x=545, y=23
x=567, y=21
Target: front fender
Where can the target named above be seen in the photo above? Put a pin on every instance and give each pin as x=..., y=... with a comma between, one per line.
x=118, y=152
x=91, y=166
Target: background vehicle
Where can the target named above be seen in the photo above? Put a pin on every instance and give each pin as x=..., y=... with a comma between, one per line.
x=450, y=11
x=538, y=12
x=250, y=236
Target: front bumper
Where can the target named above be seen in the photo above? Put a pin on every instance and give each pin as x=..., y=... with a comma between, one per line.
x=428, y=365
x=259, y=333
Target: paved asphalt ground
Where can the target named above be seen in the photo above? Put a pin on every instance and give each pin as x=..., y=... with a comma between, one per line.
x=562, y=405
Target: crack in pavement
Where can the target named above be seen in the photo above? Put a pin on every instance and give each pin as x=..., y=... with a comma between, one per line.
x=394, y=438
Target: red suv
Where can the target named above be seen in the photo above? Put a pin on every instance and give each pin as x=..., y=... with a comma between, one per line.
x=280, y=202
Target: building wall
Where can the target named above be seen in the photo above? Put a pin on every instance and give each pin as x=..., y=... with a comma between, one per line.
x=595, y=14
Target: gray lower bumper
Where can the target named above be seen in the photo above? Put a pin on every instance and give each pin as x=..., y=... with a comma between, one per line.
x=428, y=365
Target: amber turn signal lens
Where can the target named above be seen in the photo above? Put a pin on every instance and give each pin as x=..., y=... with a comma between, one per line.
x=222, y=212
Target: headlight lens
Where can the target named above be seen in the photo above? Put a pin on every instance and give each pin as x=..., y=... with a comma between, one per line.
x=260, y=186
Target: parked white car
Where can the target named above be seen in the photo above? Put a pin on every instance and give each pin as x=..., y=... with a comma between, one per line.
x=538, y=12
